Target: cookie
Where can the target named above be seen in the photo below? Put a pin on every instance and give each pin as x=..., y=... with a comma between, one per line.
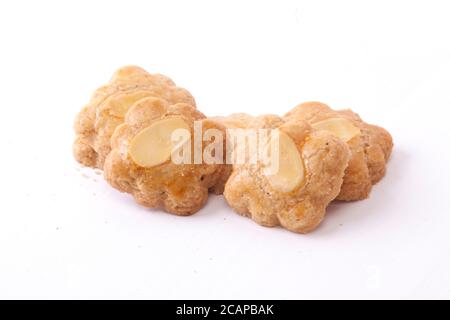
x=311, y=166
x=141, y=161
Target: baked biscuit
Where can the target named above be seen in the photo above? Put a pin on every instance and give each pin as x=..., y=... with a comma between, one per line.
x=97, y=121
x=141, y=159
x=309, y=176
x=234, y=121
x=370, y=145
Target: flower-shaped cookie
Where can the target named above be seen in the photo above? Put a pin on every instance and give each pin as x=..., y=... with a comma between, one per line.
x=370, y=145
x=141, y=161
x=97, y=121
x=310, y=172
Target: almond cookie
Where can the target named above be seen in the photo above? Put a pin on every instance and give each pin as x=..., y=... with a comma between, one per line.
x=309, y=176
x=370, y=146
x=97, y=121
x=141, y=161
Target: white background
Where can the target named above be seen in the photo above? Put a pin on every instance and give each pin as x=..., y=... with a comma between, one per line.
x=64, y=233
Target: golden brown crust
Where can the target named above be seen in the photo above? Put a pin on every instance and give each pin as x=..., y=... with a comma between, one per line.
x=181, y=189
x=96, y=122
x=234, y=120
x=301, y=210
x=370, y=150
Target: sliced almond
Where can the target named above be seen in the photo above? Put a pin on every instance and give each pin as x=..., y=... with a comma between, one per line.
x=291, y=171
x=340, y=127
x=120, y=103
x=153, y=145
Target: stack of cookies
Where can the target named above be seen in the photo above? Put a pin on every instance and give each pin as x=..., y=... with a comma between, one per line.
x=150, y=140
